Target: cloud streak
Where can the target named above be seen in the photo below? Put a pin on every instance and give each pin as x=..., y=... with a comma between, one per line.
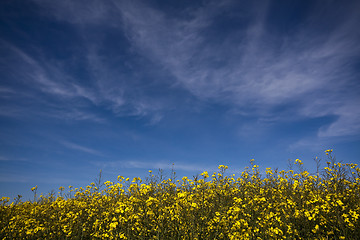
x=263, y=71
x=251, y=69
x=77, y=147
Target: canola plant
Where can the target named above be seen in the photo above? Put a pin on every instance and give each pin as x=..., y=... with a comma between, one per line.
x=278, y=205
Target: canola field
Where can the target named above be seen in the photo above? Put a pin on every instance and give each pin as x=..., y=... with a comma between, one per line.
x=290, y=204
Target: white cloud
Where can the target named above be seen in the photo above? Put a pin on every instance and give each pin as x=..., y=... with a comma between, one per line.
x=81, y=148
x=108, y=88
x=45, y=75
x=250, y=68
x=309, y=67
x=347, y=124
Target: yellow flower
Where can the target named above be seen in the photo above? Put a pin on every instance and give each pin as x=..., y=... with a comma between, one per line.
x=316, y=229
x=205, y=174
x=298, y=161
x=241, y=208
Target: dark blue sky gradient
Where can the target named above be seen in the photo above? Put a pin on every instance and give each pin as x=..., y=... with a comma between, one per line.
x=129, y=86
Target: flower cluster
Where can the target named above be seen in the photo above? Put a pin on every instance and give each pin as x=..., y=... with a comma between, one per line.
x=278, y=205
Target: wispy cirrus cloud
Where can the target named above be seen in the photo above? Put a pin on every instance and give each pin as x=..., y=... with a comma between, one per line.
x=251, y=68
x=81, y=148
x=36, y=76
x=262, y=70
x=124, y=94
x=51, y=78
x=46, y=76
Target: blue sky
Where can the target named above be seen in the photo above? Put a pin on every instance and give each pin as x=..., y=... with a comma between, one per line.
x=129, y=86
